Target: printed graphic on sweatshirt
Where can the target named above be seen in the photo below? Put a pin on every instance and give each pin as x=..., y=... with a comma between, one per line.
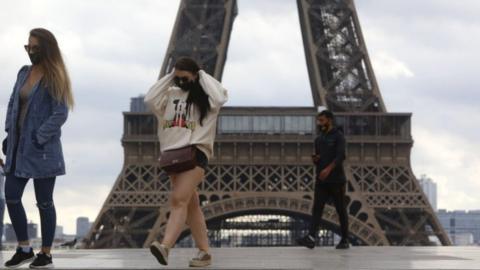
x=182, y=116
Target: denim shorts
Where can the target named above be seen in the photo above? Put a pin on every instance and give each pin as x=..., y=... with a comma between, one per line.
x=202, y=160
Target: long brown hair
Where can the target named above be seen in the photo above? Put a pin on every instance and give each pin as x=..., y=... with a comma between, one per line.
x=55, y=75
x=197, y=95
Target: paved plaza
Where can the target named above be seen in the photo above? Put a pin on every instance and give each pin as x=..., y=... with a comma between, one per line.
x=277, y=258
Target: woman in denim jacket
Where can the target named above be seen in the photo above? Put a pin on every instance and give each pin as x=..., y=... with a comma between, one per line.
x=37, y=109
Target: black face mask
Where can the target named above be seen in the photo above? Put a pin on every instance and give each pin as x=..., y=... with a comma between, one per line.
x=324, y=127
x=35, y=58
x=184, y=83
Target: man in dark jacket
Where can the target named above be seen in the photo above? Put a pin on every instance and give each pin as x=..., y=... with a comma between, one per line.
x=330, y=181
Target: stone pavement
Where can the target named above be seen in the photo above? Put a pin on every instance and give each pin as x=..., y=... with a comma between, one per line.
x=276, y=258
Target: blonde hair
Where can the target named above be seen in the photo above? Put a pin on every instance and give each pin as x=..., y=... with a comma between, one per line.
x=55, y=75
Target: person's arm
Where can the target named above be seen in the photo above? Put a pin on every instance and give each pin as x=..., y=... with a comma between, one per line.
x=217, y=94
x=54, y=122
x=339, y=157
x=156, y=98
x=10, y=101
x=316, y=156
x=9, y=113
x=339, y=151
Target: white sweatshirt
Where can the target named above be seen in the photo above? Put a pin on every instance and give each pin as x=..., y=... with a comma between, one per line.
x=178, y=127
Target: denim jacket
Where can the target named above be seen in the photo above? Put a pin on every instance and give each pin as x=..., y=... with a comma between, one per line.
x=39, y=149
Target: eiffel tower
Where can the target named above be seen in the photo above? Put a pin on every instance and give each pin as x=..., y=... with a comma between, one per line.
x=262, y=162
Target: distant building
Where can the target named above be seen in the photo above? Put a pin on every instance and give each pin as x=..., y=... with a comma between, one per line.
x=83, y=226
x=10, y=236
x=464, y=239
x=463, y=227
x=9, y=233
x=137, y=104
x=430, y=189
x=32, y=229
x=59, y=232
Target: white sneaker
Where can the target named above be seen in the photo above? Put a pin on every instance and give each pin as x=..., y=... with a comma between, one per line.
x=160, y=252
x=201, y=260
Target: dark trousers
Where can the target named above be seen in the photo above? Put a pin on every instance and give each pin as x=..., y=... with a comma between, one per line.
x=323, y=193
x=14, y=187
x=2, y=212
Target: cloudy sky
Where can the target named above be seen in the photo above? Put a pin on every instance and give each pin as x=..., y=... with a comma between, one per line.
x=425, y=55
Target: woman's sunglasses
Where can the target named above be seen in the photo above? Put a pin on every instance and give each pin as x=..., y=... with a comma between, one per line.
x=34, y=48
x=180, y=80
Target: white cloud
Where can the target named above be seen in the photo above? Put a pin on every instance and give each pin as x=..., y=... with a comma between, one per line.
x=389, y=67
x=266, y=60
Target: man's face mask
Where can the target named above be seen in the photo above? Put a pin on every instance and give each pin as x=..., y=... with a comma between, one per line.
x=183, y=83
x=323, y=124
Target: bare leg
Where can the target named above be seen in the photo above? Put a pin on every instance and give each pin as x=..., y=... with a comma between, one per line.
x=184, y=185
x=196, y=221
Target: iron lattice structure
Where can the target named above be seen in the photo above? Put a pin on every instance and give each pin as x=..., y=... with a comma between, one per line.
x=262, y=163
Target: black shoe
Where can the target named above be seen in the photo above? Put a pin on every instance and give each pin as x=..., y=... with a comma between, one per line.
x=20, y=258
x=307, y=241
x=343, y=244
x=42, y=261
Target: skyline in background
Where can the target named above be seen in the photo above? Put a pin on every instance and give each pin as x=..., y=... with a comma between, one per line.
x=424, y=60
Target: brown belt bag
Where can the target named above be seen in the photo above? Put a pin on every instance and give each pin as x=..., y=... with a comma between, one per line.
x=178, y=160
